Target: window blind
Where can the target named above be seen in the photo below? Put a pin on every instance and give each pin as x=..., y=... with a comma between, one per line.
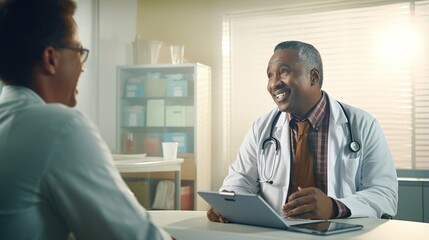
x=375, y=56
x=421, y=89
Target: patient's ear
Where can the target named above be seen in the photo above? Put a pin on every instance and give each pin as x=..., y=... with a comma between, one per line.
x=49, y=60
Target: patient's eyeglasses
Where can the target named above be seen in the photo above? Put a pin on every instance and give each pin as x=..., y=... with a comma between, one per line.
x=83, y=52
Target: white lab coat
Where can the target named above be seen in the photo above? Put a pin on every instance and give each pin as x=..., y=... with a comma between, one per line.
x=365, y=181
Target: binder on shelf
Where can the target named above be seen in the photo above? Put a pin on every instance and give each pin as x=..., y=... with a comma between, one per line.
x=164, y=195
x=134, y=88
x=155, y=113
x=133, y=116
x=175, y=116
x=177, y=88
x=181, y=138
x=155, y=87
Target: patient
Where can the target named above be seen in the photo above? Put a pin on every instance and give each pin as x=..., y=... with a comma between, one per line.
x=56, y=173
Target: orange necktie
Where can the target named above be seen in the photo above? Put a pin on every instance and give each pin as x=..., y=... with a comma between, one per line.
x=303, y=169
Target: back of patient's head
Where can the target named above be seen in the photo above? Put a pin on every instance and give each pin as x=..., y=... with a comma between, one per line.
x=26, y=28
x=307, y=54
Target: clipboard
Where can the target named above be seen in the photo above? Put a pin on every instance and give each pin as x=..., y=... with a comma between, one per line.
x=252, y=209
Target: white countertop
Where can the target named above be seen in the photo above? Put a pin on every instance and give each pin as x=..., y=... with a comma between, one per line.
x=143, y=163
x=194, y=225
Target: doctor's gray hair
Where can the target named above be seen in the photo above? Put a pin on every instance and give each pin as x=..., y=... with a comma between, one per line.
x=307, y=54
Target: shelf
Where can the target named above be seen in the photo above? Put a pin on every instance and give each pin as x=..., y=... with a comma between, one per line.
x=151, y=110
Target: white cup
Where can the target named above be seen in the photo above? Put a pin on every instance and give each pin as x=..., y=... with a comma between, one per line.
x=169, y=150
x=177, y=52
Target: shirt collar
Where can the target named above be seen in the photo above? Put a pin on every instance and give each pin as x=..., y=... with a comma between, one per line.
x=10, y=92
x=316, y=114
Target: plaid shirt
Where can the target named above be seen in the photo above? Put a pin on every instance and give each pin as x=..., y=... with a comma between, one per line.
x=318, y=137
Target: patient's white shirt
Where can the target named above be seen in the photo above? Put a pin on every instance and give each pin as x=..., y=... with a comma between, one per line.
x=57, y=176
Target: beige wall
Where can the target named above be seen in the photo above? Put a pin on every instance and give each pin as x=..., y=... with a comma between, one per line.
x=198, y=25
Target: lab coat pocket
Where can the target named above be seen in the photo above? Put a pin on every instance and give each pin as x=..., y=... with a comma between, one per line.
x=274, y=195
x=350, y=174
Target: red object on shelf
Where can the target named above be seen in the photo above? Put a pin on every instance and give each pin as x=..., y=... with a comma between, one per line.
x=152, y=144
x=129, y=142
x=186, y=198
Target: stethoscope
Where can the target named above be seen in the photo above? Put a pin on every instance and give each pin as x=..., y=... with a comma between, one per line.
x=354, y=146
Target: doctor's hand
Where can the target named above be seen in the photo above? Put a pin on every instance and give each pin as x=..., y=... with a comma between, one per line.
x=214, y=216
x=309, y=203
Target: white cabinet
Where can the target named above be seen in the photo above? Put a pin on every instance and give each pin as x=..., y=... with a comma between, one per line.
x=168, y=102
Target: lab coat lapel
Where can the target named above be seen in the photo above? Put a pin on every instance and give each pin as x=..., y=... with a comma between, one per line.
x=337, y=124
x=282, y=133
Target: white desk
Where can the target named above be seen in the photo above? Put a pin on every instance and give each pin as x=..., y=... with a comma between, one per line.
x=153, y=164
x=194, y=225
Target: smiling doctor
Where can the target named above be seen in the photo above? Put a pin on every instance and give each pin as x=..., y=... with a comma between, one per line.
x=339, y=166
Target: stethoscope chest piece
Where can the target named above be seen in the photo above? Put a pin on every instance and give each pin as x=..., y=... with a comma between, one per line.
x=354, y=146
